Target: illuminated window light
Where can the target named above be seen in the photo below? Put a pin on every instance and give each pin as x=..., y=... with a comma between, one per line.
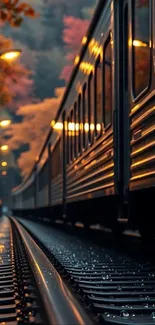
x=98, y=127
x=58, y=126
x=138, y=43
x=71, y=127
x=86, y=67
x=95, y=48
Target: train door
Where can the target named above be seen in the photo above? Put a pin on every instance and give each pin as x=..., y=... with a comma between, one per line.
x=142, y=116
x=121, y=116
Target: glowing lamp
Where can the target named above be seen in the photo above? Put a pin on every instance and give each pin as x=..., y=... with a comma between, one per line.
x=10, y=55
x=4, y=147
x=4, y=163
x=5, y=123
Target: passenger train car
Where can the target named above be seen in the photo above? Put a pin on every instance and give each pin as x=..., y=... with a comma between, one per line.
x=97, y=164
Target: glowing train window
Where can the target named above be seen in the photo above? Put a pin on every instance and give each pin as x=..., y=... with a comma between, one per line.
x=75, y=128
x=91, y=107
x=84, y=116
x=71, y=135
x=140, y=45
x=68, y=142
x=107, y=84
x=98, y=98
x=79, y=123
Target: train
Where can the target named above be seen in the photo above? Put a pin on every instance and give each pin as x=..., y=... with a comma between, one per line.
x=97, y=165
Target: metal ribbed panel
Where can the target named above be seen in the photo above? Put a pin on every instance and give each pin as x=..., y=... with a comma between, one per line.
x=94, y=172
x=143, y=147
x=57, y=190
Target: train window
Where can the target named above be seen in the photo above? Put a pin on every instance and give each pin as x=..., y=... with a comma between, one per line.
x=98, y=98
x=141, y=50
x=85, y=117
x=43, y=176
x=56, y=160
x=68, y=142
x=74, y=128
x=71, y=135
x=107, y=84
x=91, y=107
x=126, y=49
x=70, y=138
x=79, y=124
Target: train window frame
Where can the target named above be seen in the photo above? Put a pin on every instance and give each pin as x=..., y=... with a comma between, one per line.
x=135, y=97
x=74, y=141
x=68, y=143
x=79, y=106
x=56, y=145
x=84, y=138
x=107, y=41
x=91, y=100
x=71, y=140
x=98, y=61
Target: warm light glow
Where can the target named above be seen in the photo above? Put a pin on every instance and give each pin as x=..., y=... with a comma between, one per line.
x=10, y=55
x=5, y=123
x=84, y=40
x=2, y=247
x=95, y=48
x=58, y=126
x=86, y=67
x=4, y=163
x=71, y=126
x=4, y=172
x=4, y=147
x=138, y=43
x=86, y=127
x=77, y=59
x=52, y=123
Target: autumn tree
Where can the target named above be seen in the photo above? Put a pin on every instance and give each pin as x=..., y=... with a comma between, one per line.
x=33, y=129
x=14, y=11
x=15, y=80
x=14, y=74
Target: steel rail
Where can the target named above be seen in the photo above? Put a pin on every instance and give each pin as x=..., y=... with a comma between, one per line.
x=61, y=306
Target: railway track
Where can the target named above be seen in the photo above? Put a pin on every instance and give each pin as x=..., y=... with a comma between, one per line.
x=31, y=290
x=118, y=288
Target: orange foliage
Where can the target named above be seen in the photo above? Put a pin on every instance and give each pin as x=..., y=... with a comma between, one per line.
x=33, y=129
x=9, y=75
x=13, y=12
